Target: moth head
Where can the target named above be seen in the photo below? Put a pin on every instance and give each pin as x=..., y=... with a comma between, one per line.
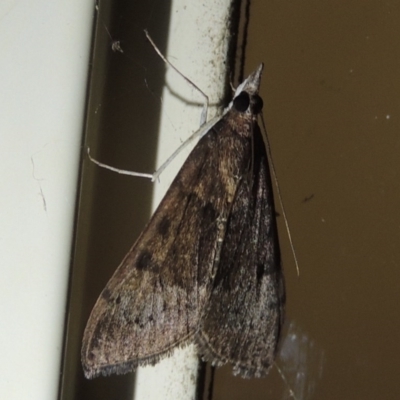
x=252, y=83
x=246, y=98
x=246, y=103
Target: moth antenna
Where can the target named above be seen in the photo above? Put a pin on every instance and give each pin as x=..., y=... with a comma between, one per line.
x=278, y=191
x=204, y=112
x=291, y=393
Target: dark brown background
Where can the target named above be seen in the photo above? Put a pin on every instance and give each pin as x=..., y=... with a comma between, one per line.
x=331, y=91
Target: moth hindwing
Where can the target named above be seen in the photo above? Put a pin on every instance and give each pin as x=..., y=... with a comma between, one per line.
x=206, y=269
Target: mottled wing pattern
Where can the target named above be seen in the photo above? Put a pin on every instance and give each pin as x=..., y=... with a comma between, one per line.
x=246, y=308
x=207, y=267
x=154, y=300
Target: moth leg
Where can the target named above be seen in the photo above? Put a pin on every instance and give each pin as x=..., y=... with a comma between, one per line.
x=203, y=118
x=204, y=128
x=117, y=170
x=196, y=135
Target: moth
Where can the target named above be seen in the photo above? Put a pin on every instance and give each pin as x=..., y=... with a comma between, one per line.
x=207, y=268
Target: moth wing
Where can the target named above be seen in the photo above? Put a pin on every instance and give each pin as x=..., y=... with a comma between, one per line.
x=153, y=301
x=246, y=308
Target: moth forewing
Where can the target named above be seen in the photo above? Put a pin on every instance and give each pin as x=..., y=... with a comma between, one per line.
x=245, y=312
x=207, y=266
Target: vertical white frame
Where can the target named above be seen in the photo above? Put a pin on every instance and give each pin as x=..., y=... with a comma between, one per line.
x=45, y=49
x=198, y=43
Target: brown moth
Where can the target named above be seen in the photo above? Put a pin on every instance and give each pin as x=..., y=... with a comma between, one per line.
x=207, y=267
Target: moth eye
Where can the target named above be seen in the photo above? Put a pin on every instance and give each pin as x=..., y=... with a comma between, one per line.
x=257, y=104
x=241, y=102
